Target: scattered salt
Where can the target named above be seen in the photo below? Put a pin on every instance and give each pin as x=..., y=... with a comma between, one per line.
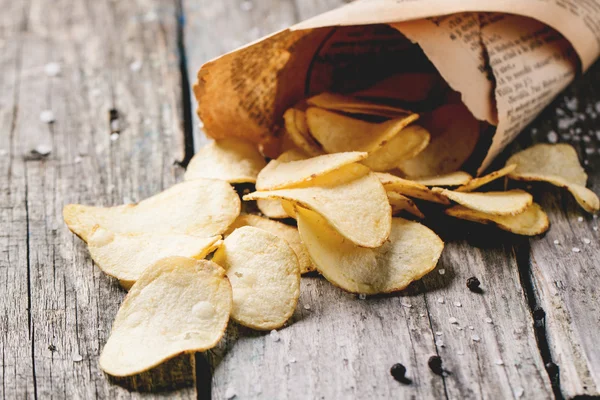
x=595, y=228
x=586, y=241
x=136, y=66
x=460, y=353
x=275, y=336
x=230, y=393
x=421, y=315
x=552, y=137
x=42, y=150
x=307, y=306
x=565, y=137
x=292, y=360
x=499, y=362
x=440, y=300
x=458, y=304
x=587, y=139
x=556, y=241
x=77, y=357
x=453, y=320
x=572, y=104
x=52, y=69
x=439, y=343
x=406, y=305
x=438, y=333
x=566, y=123
x=77, y=159
x=441, y=271
x=47, y=116
x=576, y=249
x=560, y=111
x=580, y=219
x=3, y=152
x=475, y=338
x=114, y=137
x=488, y=320
x=460, y=328
x=519, y=392
x=589, y=150
x=470, y=327
x=362, y=296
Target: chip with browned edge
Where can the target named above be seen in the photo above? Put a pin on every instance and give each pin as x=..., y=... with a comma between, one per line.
x=511, y=202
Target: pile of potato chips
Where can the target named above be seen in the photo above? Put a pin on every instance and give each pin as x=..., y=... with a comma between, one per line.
x=348, y=167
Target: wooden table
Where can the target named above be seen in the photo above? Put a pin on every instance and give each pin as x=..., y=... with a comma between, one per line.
x=138, y=58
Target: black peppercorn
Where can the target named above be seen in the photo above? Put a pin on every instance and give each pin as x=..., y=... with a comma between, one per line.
x=398, y=371
x=435, y=365
x=473, y=284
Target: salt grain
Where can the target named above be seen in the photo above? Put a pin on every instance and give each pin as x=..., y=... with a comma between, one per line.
x=275, y=336
x=470, y=327
x=589, y=150
x=552, y=137
x=458, y=304
x=488, y=320
x=77, y=357
x=47, y=116
x=453, y=320
x=556, y=241
x=406, y=305
x=292, y=360
x=572, y=104
x=421, y=315
x=77, y=159
x=475, y=338
x=307, y=306
x=438, y=333
x=519, y=392
x=3, y=152
x=587, y=139
x=460, y=353
x=595, y=228
x=499, y=362
x=441, y=271
x=439, y=343
x=362, y=296
x=230, y=393
x=580, y=219
x=42, y=150
x=576, y=249
x=136, y=66
x=586, y=241
x=114, y=137
x=52, y=69
x=440, y=300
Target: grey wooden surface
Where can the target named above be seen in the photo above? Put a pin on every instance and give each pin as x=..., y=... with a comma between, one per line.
x=138, y=57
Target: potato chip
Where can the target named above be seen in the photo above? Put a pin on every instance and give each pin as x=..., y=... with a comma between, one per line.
x=533, y=221
x=265, y=277
x=392, y=183
x=557, y=164
x=338, y=133
x=297, y=130
x=279, y=175
x=483, y=180
x=178, y=305
x=126, y=256
x=231, y=160
x=454, y=134
x=411, y=251
x=352, y=199
x=202, y=207
x=350, y=105
x=409, y=142
x=511, y=202
x=412, y=87
x=285, y=232
x=271, y=208
x=451, y=179
x=403, y=203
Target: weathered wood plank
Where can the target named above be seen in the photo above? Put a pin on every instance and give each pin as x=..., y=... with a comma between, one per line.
x=114, y=55
x=566, y=282
x=344, y=347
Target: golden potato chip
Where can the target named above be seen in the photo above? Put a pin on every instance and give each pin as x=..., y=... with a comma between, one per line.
x=392, y=183
x=400, y=203
x=285, y=232
x=231, y=160
x=338, y=133
x=557, y=164
x=409, y=87
x=292, y=155
x=454, y=134
x=533, y=221
x=451, y=179
x=511, y=202
x=279, y=175
x=297, y=130
x=351, y=198
x=411, y=251
x=288, y=207
x=126, y=256
x=271, y=208
x=178, y=305
x=409, y=142
x=478, y=182
x=350, y=105
x=265, y=277
x=202, y=207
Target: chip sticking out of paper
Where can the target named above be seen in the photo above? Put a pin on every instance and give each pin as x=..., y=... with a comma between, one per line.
x=409, y=188
x=483, y=180
x=279, y=175
x=402, y=203
x=202, y=207
x=454, y=134
x=351, y=199
x=178, y=305
x=265, y=277
x=409, y=142
x=231, y=160
x=511, y=202
x=451, y=179
x=351, y=105
x=557, y=164
x=297, y=129
x=285, y=232
x=533, y=221
x=411, y=251
x=126, y=256
x=406, y=87
x=338, y=133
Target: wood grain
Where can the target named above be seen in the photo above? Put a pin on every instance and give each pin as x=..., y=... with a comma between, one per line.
x=57, y=307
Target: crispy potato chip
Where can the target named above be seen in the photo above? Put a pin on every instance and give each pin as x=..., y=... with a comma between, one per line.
x=178, y=305
x=451, y=179
x=478, y=182
x=285, y=232
x=412, y=87
x=392, y=183
x=350, y=105
x=202, y=207
x=265, y=277
x=289, y=209
x=533, y=221
x=279, y=175
x=351, y=198
x=231, y=160
x=292, y=155
x=454, y=134
x=557, y=164
x=126, y=256
x=511, y=202
x=409, y=142
x=297, y=129
x=411, y=251
x=400, y=203
x=338, y=133
x=271, y=208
